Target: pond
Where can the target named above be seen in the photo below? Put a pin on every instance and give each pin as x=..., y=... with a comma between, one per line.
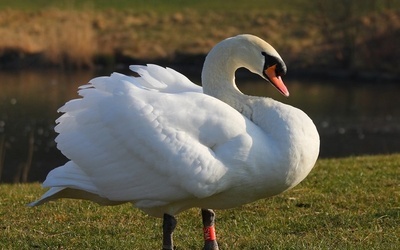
x=353, y=118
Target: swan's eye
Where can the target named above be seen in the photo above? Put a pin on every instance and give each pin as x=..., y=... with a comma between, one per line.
x=269, y=60
x=272, y=60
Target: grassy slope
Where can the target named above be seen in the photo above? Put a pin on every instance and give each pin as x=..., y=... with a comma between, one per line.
x=350, y=203
x=309, y=35
x=155, y=5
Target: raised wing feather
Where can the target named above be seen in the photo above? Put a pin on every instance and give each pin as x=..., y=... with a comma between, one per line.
x=164, y=79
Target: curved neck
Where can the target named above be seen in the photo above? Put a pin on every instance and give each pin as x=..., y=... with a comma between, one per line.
x=218, y=75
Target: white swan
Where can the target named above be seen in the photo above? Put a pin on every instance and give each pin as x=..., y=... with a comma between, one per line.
x=162, y=144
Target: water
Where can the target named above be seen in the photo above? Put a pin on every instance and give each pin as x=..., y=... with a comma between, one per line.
x=352, y=118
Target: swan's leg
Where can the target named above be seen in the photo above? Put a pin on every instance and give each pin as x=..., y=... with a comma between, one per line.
x=169, y=224
x=210, y=240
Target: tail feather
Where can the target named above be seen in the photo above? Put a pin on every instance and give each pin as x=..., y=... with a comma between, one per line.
x=70, y=175
x=63, y=192
x=69, y=181
x=51, y=194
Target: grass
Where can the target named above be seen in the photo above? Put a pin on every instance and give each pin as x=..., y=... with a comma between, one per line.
x=349, y=203
x=141, y=5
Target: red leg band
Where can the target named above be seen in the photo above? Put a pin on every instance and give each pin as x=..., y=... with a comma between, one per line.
x=209, y=233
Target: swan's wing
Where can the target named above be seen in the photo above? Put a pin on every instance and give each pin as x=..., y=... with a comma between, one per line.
x=164, y=79
x=136, y=143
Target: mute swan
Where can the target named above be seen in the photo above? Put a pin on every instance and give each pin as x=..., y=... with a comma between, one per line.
x=167, y=145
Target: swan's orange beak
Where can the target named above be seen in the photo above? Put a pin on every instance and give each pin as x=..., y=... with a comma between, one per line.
x=276, y=80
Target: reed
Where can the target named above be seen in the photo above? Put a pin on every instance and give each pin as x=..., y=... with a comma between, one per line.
x=64, y=38
x=313, y=35
x=70, y=40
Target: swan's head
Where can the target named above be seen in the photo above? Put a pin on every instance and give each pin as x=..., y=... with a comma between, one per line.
x=246, y=51
x=261, y=58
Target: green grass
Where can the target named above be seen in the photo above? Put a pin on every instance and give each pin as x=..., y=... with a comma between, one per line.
x=203, y=6
x=154, y=5
x=350, y=203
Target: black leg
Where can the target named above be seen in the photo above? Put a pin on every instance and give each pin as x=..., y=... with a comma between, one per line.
x=169, y=224
x=210, y=240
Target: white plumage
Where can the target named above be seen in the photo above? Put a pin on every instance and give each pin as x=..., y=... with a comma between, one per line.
x=159, y=142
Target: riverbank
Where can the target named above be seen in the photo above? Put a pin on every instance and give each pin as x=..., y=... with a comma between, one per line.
x=362, y=45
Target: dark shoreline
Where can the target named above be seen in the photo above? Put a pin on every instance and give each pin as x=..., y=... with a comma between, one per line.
x=189, y=64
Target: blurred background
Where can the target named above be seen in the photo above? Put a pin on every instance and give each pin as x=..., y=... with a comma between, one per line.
x=343, y=61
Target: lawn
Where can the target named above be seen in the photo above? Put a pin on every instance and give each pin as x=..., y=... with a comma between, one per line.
x=348, y=203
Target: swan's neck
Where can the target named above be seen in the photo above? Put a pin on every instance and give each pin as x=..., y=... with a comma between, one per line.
x=218, y=76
